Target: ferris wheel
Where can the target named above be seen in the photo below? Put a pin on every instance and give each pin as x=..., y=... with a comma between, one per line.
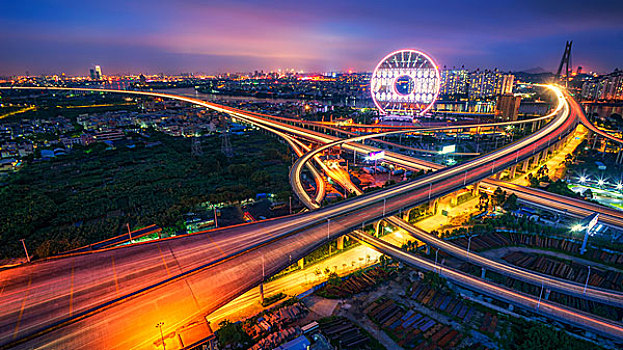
x=405, y=82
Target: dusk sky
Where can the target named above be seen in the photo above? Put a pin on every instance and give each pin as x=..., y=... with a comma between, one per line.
x=46, y=36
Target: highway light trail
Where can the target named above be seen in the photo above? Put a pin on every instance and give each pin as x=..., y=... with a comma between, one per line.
x=204, y=280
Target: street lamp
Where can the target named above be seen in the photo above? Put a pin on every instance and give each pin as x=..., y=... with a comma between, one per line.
x=540, y=295
x=587, y=277
x=469, y=241
x=384, y=200
x=25, y=250
x=436, y=252
x=159, y=325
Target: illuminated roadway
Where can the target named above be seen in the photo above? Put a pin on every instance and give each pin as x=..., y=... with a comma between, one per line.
x=541, y=306
x=574, y=289
x=112, y=299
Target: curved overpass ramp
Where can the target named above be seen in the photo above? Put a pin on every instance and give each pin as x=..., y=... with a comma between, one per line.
x=112, y=299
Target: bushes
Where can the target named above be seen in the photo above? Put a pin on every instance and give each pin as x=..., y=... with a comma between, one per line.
x=523, y=335
x=90, y=194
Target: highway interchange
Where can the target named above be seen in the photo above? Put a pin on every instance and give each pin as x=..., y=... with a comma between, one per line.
x=112, y=298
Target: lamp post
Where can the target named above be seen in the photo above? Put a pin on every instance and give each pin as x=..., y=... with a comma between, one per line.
x=436, y=252
x=587, y=277
x=540, y=295
x=469, y=241
x=25, y=250
x=159, y=325
x=384, y=200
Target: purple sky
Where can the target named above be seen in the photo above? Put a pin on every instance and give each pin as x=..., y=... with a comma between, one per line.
x=132, y=36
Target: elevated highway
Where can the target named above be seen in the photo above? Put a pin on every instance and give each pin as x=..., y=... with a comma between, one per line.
x=112, y=299
x=577, y=318
x=574, y=289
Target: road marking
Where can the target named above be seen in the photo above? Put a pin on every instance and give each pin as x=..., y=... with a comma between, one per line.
x=21, y=311
x=71, y=289
x=216, y=245
x=3, y=285
x=114, y=274
x=163, y=261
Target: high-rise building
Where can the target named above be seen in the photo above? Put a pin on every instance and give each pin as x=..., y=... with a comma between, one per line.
x=482, y=84
x=606, y=87
x=96, y=73
x=505, y=85
x=507, y=107
x=454, y=82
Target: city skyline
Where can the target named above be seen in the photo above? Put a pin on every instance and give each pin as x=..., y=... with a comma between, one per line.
x=197, y=36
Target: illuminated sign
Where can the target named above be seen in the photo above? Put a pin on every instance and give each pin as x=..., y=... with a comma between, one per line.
x=376, y=155
x=448, y=149
x=593, y=222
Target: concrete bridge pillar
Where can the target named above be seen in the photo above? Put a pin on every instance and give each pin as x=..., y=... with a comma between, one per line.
x=301, y=263
x=525, y=165
x=547, y=293
x=454, y=198
x=405, y=215
x=483, y=273
x=432, y=206
x=377, y=228
x=340, y=242
x=512, y=172
x=262, y=293
x=475, y=189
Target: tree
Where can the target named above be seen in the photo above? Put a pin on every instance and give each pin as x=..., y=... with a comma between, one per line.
x=232, y=334
x=484, y=201
x=499, y=196
x=511, y=202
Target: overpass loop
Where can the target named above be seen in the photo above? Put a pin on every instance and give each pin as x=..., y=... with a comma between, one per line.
x=598, y=294
x=346, y=215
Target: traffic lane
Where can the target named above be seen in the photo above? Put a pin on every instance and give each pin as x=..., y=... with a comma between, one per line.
x=128, y=324
x=88, y=286
x=602, y=295
x=603, y=326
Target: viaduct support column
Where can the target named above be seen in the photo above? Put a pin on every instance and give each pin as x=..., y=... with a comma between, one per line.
x=483, y=273
x=432, y=206
x=262, y=293
x=340, y=242
x=525, y=165
x=454, y=199
x=513, y=172
x=301, y=263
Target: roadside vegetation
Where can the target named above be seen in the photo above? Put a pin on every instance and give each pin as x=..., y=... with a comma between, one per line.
x=93, y=192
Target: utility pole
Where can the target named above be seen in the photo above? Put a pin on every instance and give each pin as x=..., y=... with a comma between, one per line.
x=25, y=250
x=436, y=252
x=384, y=200
x=129, y=232
x=215, y=218
x=587, y=277
x=159, y=325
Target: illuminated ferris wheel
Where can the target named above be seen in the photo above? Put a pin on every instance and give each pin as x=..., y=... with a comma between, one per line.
x=405, y=82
